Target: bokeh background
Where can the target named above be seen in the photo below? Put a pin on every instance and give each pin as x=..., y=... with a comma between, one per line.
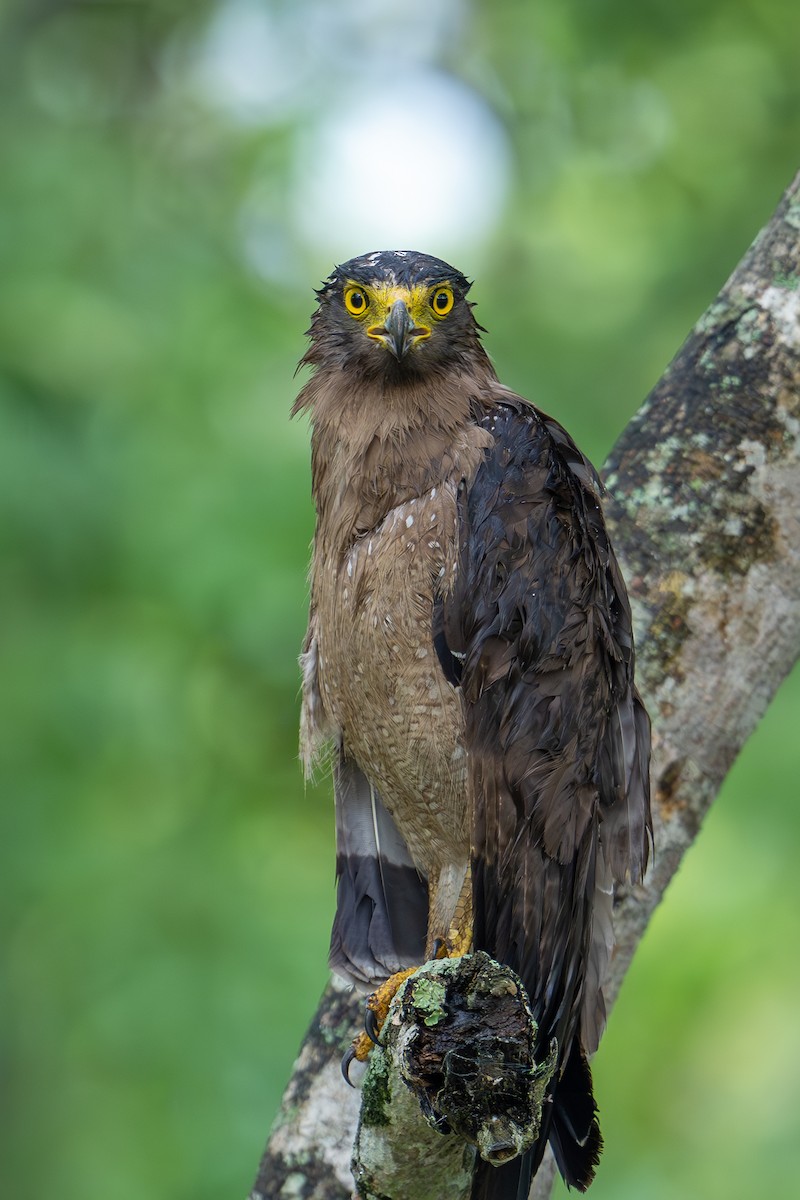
x=175, y=176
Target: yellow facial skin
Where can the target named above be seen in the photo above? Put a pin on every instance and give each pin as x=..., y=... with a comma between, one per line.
x=373, y=304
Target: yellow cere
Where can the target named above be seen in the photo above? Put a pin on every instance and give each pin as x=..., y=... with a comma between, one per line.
x=422, y=302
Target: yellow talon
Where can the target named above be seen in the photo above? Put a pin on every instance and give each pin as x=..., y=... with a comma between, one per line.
x=377, y=1009
x=360, y=1048
x=379, y=1002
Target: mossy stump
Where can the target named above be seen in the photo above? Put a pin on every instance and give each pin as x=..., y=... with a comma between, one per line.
x=455, y=1075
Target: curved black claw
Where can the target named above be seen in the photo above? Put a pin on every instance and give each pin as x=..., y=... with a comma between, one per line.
x=438, y=946
x=371, y=1026
x=347, y=1062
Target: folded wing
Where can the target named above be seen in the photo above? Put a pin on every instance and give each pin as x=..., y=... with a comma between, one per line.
x=538, y=631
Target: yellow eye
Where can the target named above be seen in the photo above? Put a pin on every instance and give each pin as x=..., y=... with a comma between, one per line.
x=355, y=301
x=442, y=301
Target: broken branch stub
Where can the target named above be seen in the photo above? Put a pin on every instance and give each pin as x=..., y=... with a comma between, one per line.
x=458, y=1048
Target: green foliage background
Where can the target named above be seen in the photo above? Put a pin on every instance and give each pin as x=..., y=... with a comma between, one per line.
x=167, y=880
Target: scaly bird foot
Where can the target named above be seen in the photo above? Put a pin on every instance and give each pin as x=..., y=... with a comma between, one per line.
x=459, y=942
x=374, y=1016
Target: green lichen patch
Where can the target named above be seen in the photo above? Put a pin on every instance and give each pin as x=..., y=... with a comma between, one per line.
x=294, y=1186
x=752, y=329
x=337, y=1036
x=429, y=993
x=376, y=1091
x=722, y=312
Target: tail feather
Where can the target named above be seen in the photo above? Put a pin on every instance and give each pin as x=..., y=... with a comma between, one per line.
x=381, y=899
x=512, y=1181
x=575, y=1130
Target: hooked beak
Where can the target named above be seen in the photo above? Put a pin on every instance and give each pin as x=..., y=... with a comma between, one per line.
x=399, y=333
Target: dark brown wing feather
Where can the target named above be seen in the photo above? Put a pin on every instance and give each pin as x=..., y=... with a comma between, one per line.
x=558, y=743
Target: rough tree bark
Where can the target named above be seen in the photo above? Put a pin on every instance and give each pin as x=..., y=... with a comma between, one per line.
x=702, y=504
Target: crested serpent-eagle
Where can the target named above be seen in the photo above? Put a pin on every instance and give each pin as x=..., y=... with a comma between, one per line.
x=469, y=656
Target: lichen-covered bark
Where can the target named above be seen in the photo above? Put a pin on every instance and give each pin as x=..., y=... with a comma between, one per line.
x=703, y=507
x=311, y=1141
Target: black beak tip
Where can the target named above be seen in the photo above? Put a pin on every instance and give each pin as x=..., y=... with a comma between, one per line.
x=399, y=330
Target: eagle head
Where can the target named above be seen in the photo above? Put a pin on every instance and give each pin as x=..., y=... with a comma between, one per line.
x=396, y=314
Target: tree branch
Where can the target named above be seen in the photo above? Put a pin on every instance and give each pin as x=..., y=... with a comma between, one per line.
x=703, y=511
